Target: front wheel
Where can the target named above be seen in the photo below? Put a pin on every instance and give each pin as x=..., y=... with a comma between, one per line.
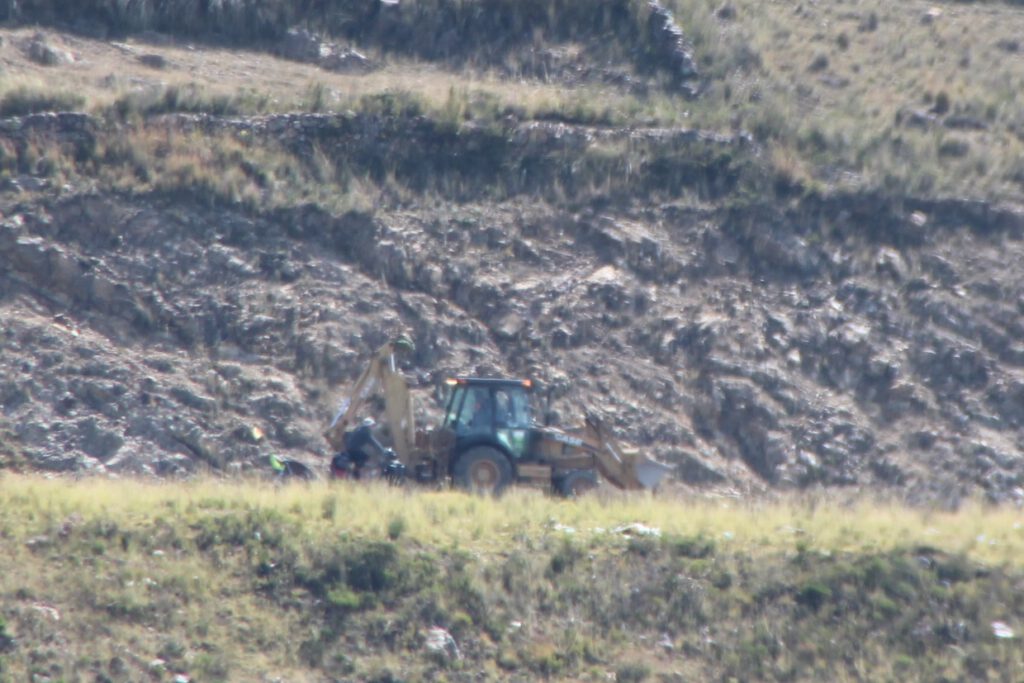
x=576, y=483
x=483, y=470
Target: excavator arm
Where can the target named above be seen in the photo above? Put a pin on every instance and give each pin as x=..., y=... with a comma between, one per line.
x=380, y=376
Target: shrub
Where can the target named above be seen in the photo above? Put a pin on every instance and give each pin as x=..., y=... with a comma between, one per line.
x=954, y=569
x=342, y=599
x=401, y=104
x=384, y=675
x=23, y=101
x=632, y=673
x=212, y=666
x=544, y=659
x=329, y=507
x=188, y=99
x=316, y=98
x=173, y=652
x=261, y=527
x=396, y=527
x=374, y=568
x=6, y=640
x=695, y=547
x=644, y=546
x=563, y=559
x=460, y=624
x=814, y=595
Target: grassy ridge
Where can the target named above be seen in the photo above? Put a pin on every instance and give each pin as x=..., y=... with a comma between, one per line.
x=334, y=164
x=994, y=536
x=251, y=20
x=481, y=32
x=904, y=98
x=239, y=581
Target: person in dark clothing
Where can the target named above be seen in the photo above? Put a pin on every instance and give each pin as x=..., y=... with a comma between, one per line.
x=356, y=453
x=482, y=417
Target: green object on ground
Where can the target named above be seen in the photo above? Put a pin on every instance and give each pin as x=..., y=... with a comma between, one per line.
x=276, y=463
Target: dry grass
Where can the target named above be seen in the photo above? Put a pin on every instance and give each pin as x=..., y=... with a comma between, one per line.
x=108, y=72
x=828, y=88
x=244, y=581
x=214, y=168
x=829, y=80
x=444, y=518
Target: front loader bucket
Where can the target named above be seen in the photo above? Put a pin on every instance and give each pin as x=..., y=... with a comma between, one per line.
x=625, y=470
x=650, y=472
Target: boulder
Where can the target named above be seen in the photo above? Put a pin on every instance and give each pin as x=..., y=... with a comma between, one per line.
x=300, y=45
x=41, y=51
x=345, y=60
x=695, y=470
x=669, y=44
x=508, y=326
x=196, y=442
x=1007, y=399
x=96, y=441
x=737, y=410
x=153, y=61
x=12, y=396
x=191, y=399
x=915, y=118
x=726, y=12
x=440, y=644
x=965, y=122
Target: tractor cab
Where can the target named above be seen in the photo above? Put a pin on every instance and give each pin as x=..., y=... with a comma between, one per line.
x=488, y=432
x=490, y=412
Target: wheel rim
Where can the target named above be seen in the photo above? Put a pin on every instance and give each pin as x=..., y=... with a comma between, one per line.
x=484, y=475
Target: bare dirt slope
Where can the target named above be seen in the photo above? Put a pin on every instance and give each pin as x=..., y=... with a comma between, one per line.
x=782, y=340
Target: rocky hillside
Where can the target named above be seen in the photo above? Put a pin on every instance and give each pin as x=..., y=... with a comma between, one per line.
x=181, y=264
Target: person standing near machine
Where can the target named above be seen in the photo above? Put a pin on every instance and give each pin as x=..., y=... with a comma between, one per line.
x=358, y=445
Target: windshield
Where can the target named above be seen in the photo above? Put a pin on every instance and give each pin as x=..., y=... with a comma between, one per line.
x=478, y=408
x=512, y=408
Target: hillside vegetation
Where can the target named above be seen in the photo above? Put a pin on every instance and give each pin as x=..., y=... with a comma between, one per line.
x=907, y=99
x=121, y=580
x=776, y=245
x=742, y=229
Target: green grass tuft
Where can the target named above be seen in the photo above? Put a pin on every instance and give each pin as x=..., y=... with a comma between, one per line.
x=22, y=101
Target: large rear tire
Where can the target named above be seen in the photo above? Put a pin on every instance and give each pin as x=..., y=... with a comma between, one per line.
x=483, y=470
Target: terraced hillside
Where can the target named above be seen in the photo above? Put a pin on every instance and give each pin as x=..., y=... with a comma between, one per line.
x=774, y=246
x=777, y=245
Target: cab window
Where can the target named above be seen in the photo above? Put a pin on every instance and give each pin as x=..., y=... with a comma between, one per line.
x=511, y=408
x=475, y=413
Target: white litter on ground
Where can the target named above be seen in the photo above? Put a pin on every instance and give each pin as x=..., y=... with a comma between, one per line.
x=1001, y=629
x=638, y=529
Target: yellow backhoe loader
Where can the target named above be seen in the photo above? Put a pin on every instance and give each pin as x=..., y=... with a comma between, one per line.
x=488, y=438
